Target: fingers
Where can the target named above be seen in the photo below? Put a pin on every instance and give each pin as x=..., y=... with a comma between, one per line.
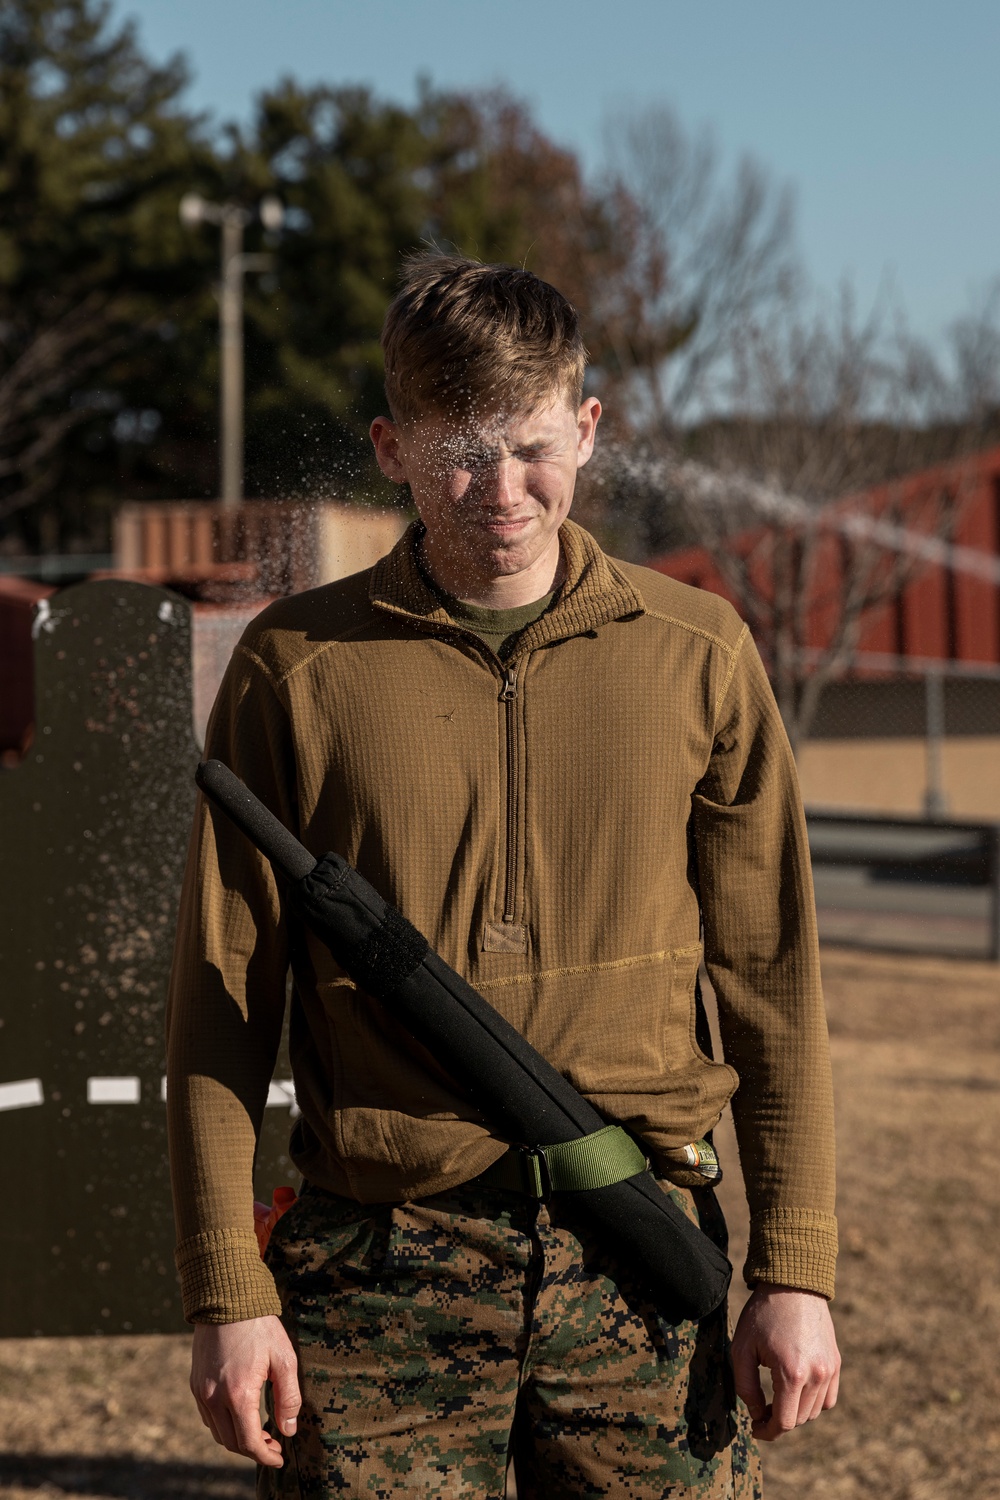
x=814, y=1401
x=790, y=1388
x=828, y=1389
x=233, y=1418
x=251, y=1439
x=800, y=1395
x=285, y=1391
x=217, y=1422
x=746, y=1372
x=229, y=1365
x=791, y=1333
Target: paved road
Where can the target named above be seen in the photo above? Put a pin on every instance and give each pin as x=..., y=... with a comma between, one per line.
x=854, y=907
x=866, y=893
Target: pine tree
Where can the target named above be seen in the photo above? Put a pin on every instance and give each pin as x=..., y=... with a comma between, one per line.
x=94, y=152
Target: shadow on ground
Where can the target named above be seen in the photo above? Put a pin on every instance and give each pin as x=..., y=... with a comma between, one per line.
x=122, y=1478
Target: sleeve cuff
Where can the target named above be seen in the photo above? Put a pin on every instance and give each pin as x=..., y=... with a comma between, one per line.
x=793, y=1247
x=223, y=1279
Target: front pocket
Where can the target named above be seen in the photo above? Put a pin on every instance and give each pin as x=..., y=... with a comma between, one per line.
x=609, y=1028
x=322, y=1232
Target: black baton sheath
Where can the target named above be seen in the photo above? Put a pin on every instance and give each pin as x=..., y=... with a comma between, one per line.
x=523, y=1096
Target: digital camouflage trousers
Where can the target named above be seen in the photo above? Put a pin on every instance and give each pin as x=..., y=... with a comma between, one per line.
x=439, y=1340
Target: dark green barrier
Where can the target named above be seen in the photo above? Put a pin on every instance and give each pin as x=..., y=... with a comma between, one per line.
x=93, y=832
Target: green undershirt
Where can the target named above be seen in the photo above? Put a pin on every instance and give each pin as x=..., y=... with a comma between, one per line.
x=497, y=628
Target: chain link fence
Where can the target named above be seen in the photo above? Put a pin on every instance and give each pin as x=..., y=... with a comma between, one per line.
x=901, y=779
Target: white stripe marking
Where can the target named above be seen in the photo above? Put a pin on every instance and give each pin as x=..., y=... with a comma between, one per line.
x=281, y=1091
x=21, y=1095
x=112, y=1091
x=44, y=620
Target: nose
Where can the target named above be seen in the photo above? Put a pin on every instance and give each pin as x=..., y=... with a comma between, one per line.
x=501, y=486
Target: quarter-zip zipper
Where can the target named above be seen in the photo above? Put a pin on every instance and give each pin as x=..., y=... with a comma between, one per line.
x=508, y=697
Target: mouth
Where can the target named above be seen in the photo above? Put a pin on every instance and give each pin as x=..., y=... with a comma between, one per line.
x=505, y=527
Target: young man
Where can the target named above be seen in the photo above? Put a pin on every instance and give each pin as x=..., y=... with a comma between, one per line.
x=570, y=775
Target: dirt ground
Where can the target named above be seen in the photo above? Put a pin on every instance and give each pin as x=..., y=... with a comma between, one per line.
x=916, y=1047
x=916, y=1055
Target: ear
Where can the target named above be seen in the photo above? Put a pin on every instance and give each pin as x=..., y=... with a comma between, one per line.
x=586, y=429
x=385, y=436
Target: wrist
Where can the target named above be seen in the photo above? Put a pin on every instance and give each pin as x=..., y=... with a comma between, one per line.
x=769, y=1289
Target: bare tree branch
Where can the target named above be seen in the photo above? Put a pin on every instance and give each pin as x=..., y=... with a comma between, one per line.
x=36, y=386
x=703, y=258
x=774, y=572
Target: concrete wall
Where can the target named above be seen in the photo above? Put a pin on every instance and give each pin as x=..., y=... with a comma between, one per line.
x=95, y=821
x=291, y=545
x=868, y=747
x=889, y=775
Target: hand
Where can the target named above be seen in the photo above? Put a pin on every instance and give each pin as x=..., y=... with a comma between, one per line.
x=229, y=1364
x=791, y=1332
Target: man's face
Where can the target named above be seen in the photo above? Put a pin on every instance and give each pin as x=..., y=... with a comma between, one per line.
x=492, y=491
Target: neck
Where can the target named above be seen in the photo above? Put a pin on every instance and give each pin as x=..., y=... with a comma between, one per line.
x=493, y=591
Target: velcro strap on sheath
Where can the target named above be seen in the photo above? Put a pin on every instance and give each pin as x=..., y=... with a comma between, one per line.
x=595, y=1160
x=389, y=955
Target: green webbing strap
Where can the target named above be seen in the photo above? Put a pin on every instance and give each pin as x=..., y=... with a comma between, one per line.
x=594, y=1161
x=591, y=1161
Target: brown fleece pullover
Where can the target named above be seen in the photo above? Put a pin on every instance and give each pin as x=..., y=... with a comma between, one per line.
x=567, y=828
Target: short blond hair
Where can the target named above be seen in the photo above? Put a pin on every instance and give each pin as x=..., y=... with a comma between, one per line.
x=462, y=337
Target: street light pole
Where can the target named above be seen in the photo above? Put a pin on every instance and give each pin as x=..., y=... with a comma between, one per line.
x=935, y=801
x=231, y=355
x=232, y=219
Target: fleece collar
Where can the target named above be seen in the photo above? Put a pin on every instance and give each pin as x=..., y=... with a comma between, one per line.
x=594, y=592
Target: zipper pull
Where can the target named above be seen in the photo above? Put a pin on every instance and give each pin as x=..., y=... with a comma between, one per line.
x=509, y=685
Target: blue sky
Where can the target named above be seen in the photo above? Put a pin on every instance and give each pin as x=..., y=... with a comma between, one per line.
x=884, y=116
